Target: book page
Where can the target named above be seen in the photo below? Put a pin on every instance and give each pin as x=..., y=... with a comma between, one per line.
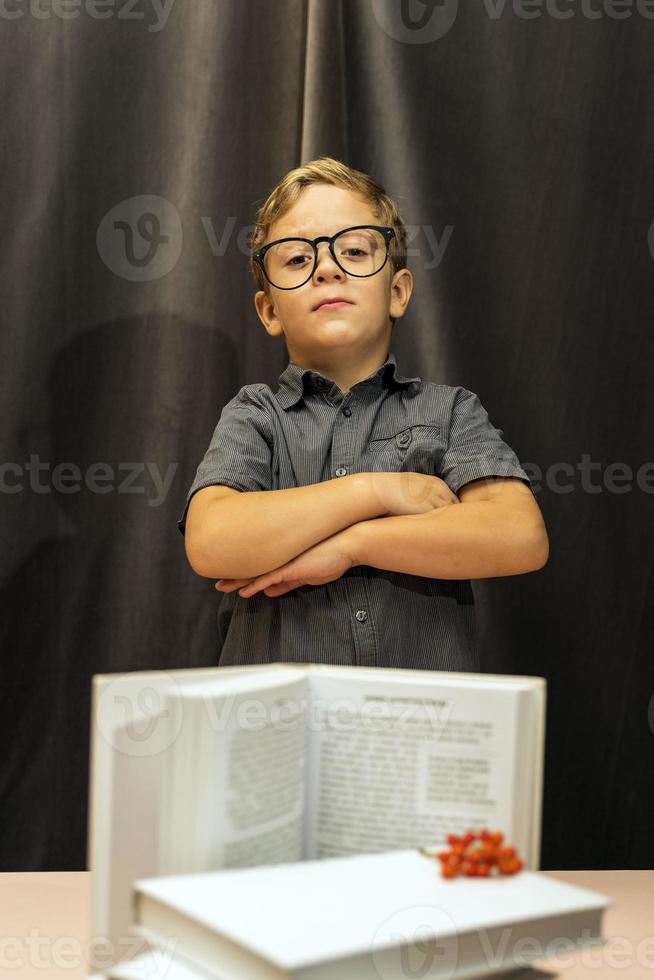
x=176, y=826
x=133, y=736
x=247, y=778
x=401, y=763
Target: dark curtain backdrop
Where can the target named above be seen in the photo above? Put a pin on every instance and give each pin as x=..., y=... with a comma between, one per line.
x=134, y=155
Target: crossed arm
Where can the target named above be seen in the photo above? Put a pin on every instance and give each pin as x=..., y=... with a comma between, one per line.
x=497, y=530
x=275, y=541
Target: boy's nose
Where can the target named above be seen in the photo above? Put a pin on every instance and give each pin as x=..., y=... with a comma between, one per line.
x=325, y=264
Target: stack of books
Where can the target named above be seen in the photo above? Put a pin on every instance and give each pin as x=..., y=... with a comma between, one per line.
x=227, y=778
x=368, y=917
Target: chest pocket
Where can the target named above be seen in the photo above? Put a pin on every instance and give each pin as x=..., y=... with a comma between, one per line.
x=418, y=448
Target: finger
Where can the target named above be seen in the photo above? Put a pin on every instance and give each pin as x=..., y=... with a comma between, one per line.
x=254, y=586
x=280, y=588
x=271, y=584
x=288, y=586
x=263, y=582
x=275, y=590
x=229, y=584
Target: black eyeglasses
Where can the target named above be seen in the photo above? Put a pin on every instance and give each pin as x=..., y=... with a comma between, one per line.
x=285, y=261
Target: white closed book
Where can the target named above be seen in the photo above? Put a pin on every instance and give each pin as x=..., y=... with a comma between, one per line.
x=380, y=916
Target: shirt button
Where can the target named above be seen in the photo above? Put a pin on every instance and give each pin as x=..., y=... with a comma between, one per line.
x=341, y=471
x=347, y=411
x=404, y=439
x=361, y=615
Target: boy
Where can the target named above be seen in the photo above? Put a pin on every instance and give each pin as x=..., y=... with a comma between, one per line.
x=345, y=513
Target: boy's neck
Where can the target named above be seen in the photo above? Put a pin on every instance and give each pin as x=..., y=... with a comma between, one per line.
x=345, y=375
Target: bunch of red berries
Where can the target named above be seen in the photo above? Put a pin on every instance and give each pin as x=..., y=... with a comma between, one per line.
x=478, y=855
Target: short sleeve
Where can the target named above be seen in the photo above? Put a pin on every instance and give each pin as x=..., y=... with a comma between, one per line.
x=240, y=452
x=475, y=447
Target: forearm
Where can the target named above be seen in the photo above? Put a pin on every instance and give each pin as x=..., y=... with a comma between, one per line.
x=249, y=534
x=466, y=541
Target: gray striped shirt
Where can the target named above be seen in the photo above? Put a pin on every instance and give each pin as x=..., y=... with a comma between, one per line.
x=308, y=431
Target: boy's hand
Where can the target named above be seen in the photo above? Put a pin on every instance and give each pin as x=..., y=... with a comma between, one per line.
x=410, y=493
x=399, y=493
x=323, y=562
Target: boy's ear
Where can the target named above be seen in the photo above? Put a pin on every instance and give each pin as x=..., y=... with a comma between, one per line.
x=267, y=313
x=401, y=289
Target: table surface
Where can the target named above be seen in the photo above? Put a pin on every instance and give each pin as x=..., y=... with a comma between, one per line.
x=46, y=928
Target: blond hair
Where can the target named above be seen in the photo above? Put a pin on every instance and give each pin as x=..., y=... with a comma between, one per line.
x=327, y=170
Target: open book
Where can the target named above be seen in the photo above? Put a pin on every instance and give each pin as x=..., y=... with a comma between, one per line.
x=212, y=768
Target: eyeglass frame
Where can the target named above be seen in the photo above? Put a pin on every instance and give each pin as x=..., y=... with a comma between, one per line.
x=386, y=231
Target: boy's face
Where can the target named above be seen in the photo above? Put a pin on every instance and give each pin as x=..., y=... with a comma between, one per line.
x=359, y=331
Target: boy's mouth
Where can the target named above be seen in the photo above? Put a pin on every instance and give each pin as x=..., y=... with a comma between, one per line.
x=331, y=304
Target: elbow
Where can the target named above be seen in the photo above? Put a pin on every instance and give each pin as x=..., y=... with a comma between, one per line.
x=526, y=551
x=199, y=551
x=197, y=560
x=537, y=550
x=227, y=560
x=209, y=547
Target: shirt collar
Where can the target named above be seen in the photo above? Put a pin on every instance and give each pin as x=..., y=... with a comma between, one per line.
x=296, y=381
